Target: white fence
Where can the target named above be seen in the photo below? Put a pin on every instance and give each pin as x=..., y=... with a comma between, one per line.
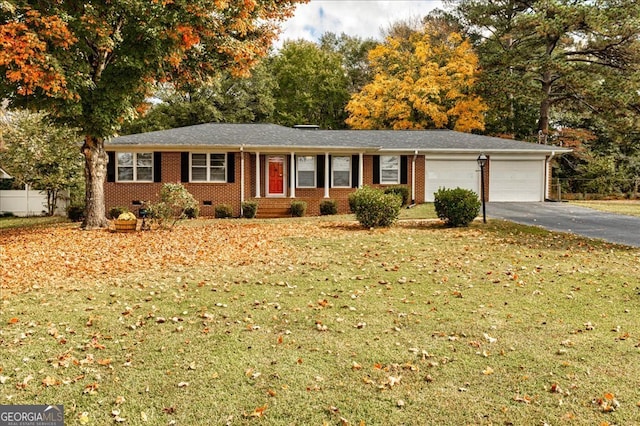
x=28, y=202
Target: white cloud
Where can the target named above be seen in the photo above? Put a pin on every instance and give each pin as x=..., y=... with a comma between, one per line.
x=356, y=18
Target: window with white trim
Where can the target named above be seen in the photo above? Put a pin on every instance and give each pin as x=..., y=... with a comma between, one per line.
x=306, y=171
x=208, y=167
x=134, y=166
x=341, y=171
x=389, y=169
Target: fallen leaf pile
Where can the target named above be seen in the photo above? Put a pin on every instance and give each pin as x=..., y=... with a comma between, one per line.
x=44, y=257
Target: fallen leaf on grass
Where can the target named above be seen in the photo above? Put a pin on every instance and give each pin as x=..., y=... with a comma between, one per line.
x=25, y=382
x=525, y=399
x=83, y=418
x=607, y=403
x=488, y=371
x=489, y=338
x=116, y=416
x=49, y=381
x=392, y=381
x=258, y=412
x=91, y=388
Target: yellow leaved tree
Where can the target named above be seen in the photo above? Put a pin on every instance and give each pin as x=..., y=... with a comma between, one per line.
x=422, y=81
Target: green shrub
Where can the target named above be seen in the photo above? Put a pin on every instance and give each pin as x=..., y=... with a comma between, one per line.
x=116, y=211
x=223, y=211
x=174, y=202
x=75, y=213
x=192, y=212
x=352, y=203
x=298, y=208
x=457, y=207
x=373, y=208
x=328, y=207
x=400, y=190
x=249, y=209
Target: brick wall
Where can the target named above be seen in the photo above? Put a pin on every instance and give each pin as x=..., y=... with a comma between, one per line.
x=208, y=195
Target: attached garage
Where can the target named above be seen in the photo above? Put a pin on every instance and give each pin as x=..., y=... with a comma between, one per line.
x=516, y=179
x=451, y=173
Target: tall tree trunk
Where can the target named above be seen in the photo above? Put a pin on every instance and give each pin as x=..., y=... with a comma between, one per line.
x=52, y=201
x=95, y=170
x=545, y=106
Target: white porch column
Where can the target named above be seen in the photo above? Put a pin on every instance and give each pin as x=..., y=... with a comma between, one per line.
x=292, y=175
x=258, y=175
x=241, y=176
x=361, y=171
x=413, y=178
x=326, y=175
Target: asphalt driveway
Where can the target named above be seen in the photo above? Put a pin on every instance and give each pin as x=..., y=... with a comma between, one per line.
x=566, y=217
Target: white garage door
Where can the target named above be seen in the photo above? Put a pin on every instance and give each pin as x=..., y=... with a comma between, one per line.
x=516, y=180
x=451, y=174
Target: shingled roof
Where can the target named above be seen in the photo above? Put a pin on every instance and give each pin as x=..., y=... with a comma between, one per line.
x=272, y=136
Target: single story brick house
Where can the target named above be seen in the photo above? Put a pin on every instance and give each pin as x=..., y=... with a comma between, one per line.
x=273, y=165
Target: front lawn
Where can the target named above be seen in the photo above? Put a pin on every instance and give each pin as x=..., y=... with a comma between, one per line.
x=28, y=222
x=627, y=207
x=320, y=322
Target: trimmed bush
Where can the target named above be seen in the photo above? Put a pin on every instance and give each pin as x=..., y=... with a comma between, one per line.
x=223, y=211
x=352, y=203
x=76, y=213
x=457, y=207
x=373, y=208
x=249, y=209
x=328, y=207
x=298, y=208
x=116, y=211
x=192, y=212
x=400, y=190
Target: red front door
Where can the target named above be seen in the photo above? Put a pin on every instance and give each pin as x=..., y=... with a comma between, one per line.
x=276, y=175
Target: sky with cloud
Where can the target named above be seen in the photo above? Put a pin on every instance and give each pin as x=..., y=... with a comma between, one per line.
x=361, y=18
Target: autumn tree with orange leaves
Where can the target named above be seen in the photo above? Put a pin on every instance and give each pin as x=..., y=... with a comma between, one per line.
x=422, y=80
x=93, y=63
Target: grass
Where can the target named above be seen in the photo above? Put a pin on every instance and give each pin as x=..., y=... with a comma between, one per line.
x=417, y=324
x=630, y=208
x=420, y=211
x=29, y=222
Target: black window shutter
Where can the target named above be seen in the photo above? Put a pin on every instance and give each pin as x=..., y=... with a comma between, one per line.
x=376, y=169
x=403, y=169
x=320, y=171
x=111, y=167
x=184, y=167
x=157, y=167
x=355, y=170
x=231, y=167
